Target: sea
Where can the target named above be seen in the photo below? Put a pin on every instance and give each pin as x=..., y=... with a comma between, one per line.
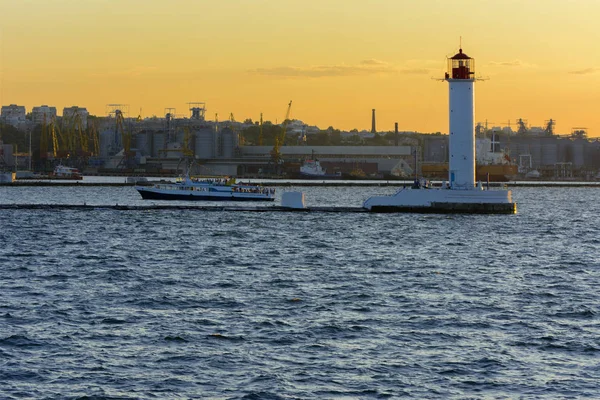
x=190, y=304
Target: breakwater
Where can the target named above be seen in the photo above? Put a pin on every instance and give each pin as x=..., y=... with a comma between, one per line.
x=172, y=207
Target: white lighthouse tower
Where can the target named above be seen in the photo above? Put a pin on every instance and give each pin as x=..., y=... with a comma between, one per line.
x=462, y=194
x=461, y=79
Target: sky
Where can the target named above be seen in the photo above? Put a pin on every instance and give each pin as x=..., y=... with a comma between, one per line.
x=335, y=59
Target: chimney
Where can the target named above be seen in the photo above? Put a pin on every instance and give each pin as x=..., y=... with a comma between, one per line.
x=373, y=130
x=396, y=134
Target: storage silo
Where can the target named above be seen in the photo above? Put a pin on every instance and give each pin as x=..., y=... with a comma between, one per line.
x=513, y=149
x=549, y=151
x=105, y=139
x=205, y=143
x=229, y=143
x=592, y=156
x=518, y=147
x=179, y=136
x=535, y=149
x=564, y=150
x=158, y=144
x=578, y=150
x=142, y=144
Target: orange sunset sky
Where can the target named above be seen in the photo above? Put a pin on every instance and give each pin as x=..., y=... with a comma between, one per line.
x=335, y=59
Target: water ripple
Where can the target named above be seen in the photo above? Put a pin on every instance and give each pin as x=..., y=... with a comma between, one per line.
x=126, y=305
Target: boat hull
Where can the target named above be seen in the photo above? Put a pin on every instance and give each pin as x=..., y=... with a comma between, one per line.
x=149, y=194
x=325, y=176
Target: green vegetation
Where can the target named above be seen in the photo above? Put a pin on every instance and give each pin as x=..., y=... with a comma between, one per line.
x=327, y=137
x=20, y=140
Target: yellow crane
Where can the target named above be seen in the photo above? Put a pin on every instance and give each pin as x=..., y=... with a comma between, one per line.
x=44, y=139
x=280, y=139
x=93, y=133
x=187, y=142
x=285, y=122
x=125, y=134
x=83, y=139
x=55, y=133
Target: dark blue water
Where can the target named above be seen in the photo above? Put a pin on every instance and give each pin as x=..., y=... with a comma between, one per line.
x=187, y=304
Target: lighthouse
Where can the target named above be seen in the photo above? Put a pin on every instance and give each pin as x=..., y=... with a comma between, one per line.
x=462, y=194
x=461, y=83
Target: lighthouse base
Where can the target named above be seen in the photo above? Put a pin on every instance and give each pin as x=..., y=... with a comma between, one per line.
x=444, y=201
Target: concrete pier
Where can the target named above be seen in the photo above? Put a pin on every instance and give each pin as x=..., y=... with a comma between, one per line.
x=159, y=207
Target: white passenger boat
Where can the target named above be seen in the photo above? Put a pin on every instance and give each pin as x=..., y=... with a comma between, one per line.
x=312, y=169
x=211, y=189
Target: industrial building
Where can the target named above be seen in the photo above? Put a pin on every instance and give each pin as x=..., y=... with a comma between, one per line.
x=120, y=143
x=553, y=156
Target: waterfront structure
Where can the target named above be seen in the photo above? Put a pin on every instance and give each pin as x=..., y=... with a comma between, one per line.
x=461, y=82
x=460, y=195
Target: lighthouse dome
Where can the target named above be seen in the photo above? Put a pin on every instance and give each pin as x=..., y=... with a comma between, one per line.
x=460, y=56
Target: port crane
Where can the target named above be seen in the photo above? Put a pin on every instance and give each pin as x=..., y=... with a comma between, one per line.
x=280, y=139
x=126, y=138
x=187, y=142
x=78, y=132
x=55, y=133
x=44, y=139
x=93, y=133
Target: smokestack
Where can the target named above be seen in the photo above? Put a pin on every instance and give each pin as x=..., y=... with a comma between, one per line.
x=373, y=130
x=396, y=134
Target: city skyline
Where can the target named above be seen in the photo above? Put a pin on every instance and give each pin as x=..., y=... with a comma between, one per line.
x=336, y=61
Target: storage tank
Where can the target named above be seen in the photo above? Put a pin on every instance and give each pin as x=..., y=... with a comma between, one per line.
x=564, y=151
x=179, y=136
x=513, y=149
x=518, y=147
x=535, y=149
x=158, y=144
x=205, y=143
x=549, y=151
x=578, y=150
x=105, y=139
x=229, y=143
x=592, y=155
x=142, y=144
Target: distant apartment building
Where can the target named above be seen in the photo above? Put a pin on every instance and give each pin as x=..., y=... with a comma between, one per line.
x=13, y=115
x=71, y=112
x=38, y=113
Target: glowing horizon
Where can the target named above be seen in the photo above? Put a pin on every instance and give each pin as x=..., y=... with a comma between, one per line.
x=336, y=60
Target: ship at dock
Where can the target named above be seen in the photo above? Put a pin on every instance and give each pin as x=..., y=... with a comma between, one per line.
x=312, y=169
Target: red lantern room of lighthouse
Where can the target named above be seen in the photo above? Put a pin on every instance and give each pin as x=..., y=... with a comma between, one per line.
x=461, y=66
